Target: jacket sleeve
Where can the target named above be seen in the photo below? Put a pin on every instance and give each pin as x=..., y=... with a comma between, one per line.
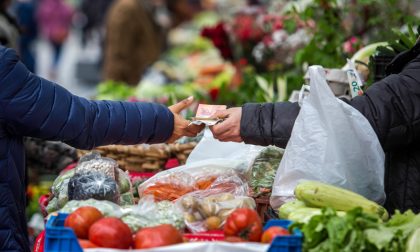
x=268, y=123
x=33, y=106
x=392, y=106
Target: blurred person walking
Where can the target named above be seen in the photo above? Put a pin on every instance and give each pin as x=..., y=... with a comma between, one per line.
x=136, y=34
x=94, y=13
x=9, y=28
x=25, y=14
x=55, y=18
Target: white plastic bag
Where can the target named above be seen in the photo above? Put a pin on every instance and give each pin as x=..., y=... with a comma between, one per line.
x=225, y=152
x=333, y=143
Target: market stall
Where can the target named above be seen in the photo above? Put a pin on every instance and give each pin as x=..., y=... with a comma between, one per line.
x=323, y=192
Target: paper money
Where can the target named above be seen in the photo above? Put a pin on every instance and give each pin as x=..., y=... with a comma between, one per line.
x=205, y=114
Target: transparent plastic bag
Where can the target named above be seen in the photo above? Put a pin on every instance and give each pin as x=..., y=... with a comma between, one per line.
x=59, y=191
x=149, y=213
x=106, y=166
x=174, y=183
x=107, y=208
x=93, y=185
x=126, y=199
x=333, y=143
x=169, y=186
x=123, y=181
x=263, y=170
x=227, y=193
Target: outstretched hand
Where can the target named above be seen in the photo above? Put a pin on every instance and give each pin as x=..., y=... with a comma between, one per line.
x=230, y=129
x=182, y=127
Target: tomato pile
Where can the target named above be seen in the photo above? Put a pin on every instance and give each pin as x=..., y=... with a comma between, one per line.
x=94, y=230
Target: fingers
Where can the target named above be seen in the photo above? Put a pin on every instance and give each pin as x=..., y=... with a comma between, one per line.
x=177, y=108
x=221, y=114
x=220, y=129
x=195, y=128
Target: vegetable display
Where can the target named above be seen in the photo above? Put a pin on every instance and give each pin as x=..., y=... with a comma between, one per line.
x=94, y=177
x=271, y=233
x=317, y=194
x=264, y=170
x=358, y=231
x=82, y=219
x=167, y=191
x=162, y=235
x=111, y=232
x=245, y=224
x=93, y=185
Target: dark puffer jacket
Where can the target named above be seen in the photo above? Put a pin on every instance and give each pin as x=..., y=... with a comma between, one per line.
x=392, y=107
x=32, y=106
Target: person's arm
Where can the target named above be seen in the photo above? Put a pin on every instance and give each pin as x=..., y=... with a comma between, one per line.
x=268, y=123
x=33, y=106
x=392, y=106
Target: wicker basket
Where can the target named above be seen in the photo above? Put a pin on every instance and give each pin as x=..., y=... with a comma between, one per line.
x=144, y=158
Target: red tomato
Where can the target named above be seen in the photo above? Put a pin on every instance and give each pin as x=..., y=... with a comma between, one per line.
x=162, y=235
x=244, y=223
x=271, y=233
x=234, y=239
x=87, y=244
x=81, y=220
x=111, y=232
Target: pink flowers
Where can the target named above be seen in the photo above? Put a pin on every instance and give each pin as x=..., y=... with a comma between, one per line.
x=352, y=45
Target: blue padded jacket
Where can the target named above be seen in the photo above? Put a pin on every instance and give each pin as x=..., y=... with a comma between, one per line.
x=33, y=106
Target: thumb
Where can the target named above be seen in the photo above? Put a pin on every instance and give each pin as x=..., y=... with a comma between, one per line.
x=221, y=114
x=177, y=108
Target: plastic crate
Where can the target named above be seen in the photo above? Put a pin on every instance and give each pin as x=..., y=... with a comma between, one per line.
x=60, y=238
x=290, y=243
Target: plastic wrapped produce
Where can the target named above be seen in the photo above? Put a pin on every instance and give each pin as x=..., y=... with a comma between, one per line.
x=149, y=213
x=123, y=181
x=174, y=183
x=90, y=156
x=93, y=185
x=168, y=187
x=61, y=181
x=126, y=199
x=107, y=166
x=107, y=208
x=264, y=170
x=59, y=191
x=52, y=205
x=198, y=212
x=208, y=209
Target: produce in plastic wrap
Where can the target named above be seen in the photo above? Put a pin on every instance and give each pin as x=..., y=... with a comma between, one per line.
x=107, y=166
x=148, y=214
x=60, y=181
x=107, y=208
x=169, y=187
x=89, y=156
x=204, y=208
x=52, y=205
x=123, y=181
x=93, y=185
x=59, y=191
x=264, y=170
x=126, y=199
x=174, y=183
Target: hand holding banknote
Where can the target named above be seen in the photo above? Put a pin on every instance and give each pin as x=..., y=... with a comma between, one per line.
x=183, y=127
x=228, y=130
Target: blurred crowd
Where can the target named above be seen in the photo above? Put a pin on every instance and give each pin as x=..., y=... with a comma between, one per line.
x=130, y=34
